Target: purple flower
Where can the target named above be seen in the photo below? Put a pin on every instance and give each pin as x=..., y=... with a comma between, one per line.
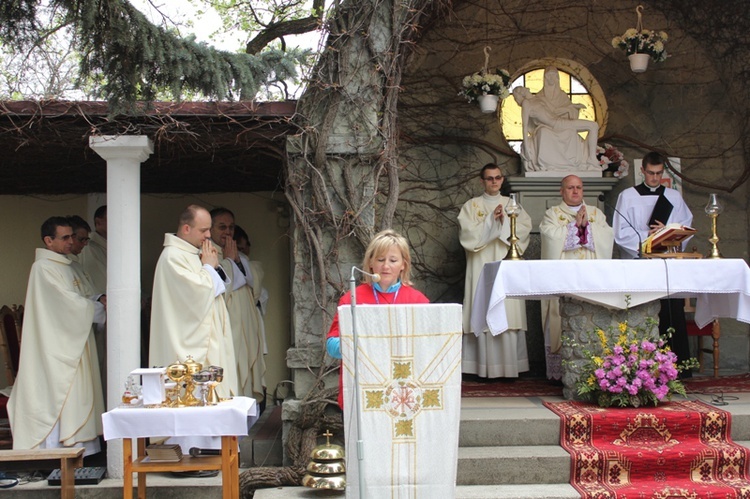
x=648, y=346
x=617, y=350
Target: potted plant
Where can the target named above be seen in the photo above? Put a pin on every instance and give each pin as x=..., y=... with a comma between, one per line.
x=641, y=45
x=612, y=161
x=487, y=88
x=630, y=366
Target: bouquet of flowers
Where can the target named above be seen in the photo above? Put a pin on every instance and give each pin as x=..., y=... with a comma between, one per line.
x=612, y=160
x=486, y=83
x=643, y=41
x=632, y=367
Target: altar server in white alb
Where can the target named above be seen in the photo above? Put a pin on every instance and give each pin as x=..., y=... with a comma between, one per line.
x=243, y=314
x=571, y=230
x=649, y=207
x=189, y=316
x=57, y=398
x=94, y=255
x=484, y=233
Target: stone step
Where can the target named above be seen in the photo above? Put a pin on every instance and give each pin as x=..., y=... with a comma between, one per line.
x=541, y=464
x=526, y=491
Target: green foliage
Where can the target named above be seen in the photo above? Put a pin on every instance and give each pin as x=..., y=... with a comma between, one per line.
x=136, y=60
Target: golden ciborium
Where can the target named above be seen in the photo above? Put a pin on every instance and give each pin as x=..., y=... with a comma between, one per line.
x=193, y=368
x=176, y=372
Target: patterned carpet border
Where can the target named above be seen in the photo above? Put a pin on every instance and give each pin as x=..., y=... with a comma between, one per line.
x=537, y=387
x=677, y=450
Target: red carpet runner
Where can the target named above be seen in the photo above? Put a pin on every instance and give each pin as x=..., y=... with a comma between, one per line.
x=676, y=450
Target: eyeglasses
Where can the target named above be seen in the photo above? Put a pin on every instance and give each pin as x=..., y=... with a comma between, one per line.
x=84, y=239
x=490, y=179
x=66, y=237
x=655, y=174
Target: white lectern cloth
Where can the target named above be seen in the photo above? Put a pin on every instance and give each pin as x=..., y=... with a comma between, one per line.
x=410, y=397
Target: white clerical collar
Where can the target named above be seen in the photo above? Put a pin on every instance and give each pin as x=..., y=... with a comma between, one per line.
x=652, y=189
x=490, y=197
x=574, y=209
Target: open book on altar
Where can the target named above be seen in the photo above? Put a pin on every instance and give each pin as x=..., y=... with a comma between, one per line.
x=667, y=238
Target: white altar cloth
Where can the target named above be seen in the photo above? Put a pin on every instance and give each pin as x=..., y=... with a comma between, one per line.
x=410, y=399
x=231, y=417
x=721, y=287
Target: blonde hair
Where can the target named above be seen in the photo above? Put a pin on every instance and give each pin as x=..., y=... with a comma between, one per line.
x=379, y=246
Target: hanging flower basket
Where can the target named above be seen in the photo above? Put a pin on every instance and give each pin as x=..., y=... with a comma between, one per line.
x=488, y=103
x=639, y=62
x=486, y=86
x=642, y=43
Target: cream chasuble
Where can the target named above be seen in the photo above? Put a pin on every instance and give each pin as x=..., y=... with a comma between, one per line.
x=410, y=397
x=58, y=379
x=246, y=330
x=94, y=261
x=486, y=240
x=186, y=317
x=560, y=242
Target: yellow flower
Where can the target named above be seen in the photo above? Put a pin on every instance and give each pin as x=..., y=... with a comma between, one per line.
x=623, y=326
x=622, y=340
x=602, y=337
x=591, y=380
x=597, y=361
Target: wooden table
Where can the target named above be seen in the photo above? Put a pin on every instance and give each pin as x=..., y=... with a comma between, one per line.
x=139, y=463
x=226, y=420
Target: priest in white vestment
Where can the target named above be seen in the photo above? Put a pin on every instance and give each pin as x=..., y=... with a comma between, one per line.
x=571, y=230
x=484, y=233
x=57, y=398
x=189, y=316
x=243, y=314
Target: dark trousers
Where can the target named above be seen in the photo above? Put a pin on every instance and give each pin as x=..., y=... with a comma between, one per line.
x=672, y=314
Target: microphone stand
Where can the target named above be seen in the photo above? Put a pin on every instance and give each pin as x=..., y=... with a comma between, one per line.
x=638, y=234
x=357, y=406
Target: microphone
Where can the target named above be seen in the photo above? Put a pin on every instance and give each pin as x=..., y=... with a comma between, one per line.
x=640, y=242
x=198, y=452
x=374, y=277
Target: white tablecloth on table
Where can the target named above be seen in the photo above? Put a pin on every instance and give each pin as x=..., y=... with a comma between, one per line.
x=722, y=287
x=231, y=417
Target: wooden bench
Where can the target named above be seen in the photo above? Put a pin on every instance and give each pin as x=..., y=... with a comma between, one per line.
x=69, y=458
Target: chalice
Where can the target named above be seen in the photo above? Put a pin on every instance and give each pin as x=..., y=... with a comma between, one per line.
x=218, y=377
x=202, y=378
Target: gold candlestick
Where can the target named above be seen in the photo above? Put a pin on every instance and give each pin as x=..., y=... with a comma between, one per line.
x=713, y=209
x=512, y=209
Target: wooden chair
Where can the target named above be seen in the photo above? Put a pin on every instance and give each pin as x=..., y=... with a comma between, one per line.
x=713, y=330
x=10, y=344
x=11, y=320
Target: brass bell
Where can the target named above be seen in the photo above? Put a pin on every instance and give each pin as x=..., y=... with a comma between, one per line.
x=327, y=470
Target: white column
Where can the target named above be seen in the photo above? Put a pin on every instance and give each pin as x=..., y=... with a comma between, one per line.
x=124, y=155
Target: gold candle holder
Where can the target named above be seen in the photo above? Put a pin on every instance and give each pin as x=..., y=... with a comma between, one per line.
x=713, y=210
x=513, y=209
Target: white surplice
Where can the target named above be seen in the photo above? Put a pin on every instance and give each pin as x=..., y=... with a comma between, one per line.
x=58, y=388
x=560, y=242
x=94, y=261
x=486, y=240
x=409, y=360
x=246, y=327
